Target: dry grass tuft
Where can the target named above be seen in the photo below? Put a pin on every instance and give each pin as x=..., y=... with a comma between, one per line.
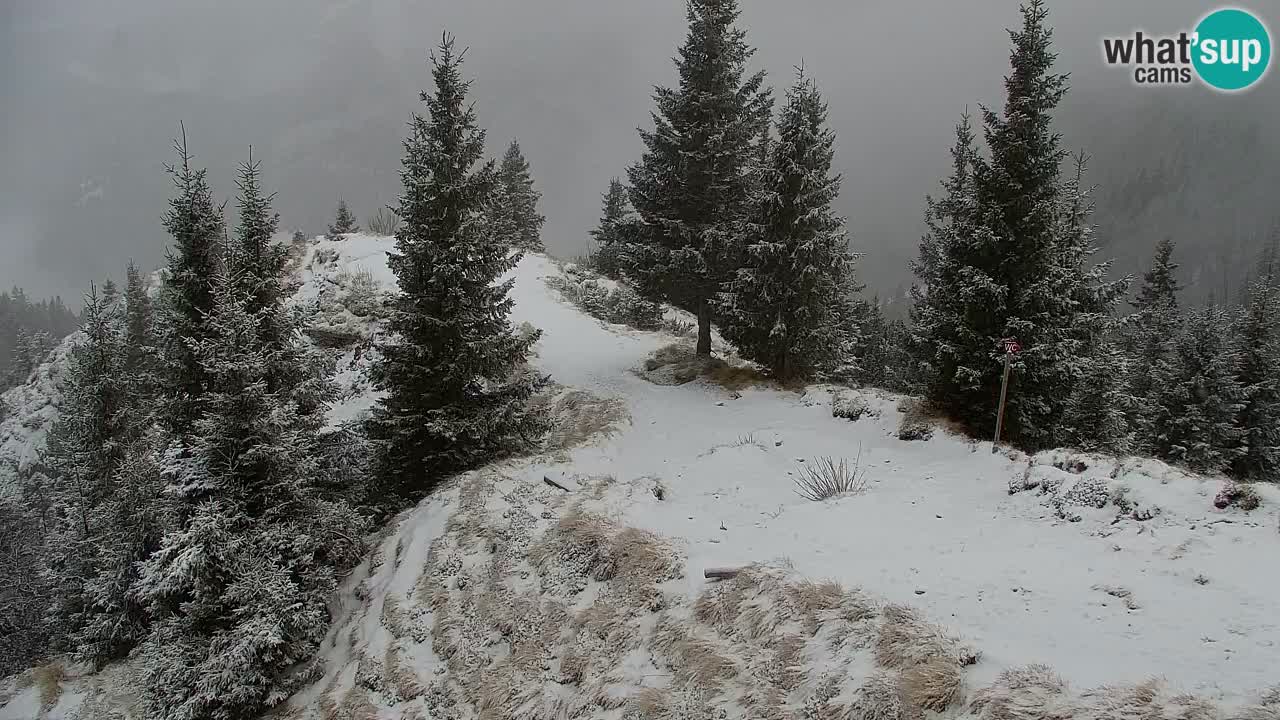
x=692, y=659
x=670, y=354
x=593, y=544
x=394, y=618
x=825, y=478
x=1034, y=692
x=578, y=416
x=906, y=639
x=790, y=658
x=400, y=675
x=679, y=363
x=47, y=680
x=737, y=377
x=1267, y=708
x=879, y=698
x=355, y=705
x=932, y=685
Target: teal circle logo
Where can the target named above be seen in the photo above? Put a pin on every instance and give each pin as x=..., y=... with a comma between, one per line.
x=1232, y=49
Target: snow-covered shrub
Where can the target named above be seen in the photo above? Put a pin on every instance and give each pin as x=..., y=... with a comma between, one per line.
x=361, y=294
x=626, y=307
x=621, y=305
x=593, y=298
x=825, y=478
x=915, y=423
x=848, y=405
x=1087, y=492
x=1241, y=495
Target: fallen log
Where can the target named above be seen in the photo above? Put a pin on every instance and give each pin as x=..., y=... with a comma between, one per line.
x=721, y=573
x=554, y=484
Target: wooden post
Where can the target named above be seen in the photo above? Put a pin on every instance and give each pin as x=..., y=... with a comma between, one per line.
x=1004, y=390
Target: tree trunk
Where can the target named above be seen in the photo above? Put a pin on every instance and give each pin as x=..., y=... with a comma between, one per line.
x=704, y=329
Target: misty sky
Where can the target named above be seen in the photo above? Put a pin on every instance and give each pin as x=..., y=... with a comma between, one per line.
x=92, y=91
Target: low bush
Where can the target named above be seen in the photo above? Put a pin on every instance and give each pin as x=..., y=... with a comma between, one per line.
x=621, y=305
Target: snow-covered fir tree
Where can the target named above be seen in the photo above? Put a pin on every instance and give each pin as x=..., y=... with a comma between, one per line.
x=456, y=390
x=196, y=225
x=84, y=449
x=1149, y=334
x=1259, y=341
x=26, y=636
x=692, y=187
x=608, y=235
x=343, y=222
x=945, y=345
x=1198, y=397
x=882, y=357
x=238, y=588
x=519, y=200
x=1097, y=415
x=790, y=305
x=1017, y=266
x=260, y=262
x=129, y=524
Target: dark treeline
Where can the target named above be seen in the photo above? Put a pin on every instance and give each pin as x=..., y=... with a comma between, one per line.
x=28, y=330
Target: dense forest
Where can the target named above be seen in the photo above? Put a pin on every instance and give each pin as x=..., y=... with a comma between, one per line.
x=28, y=330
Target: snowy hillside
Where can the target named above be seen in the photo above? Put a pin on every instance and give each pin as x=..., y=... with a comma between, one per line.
x=571, y=584
x=31, y=410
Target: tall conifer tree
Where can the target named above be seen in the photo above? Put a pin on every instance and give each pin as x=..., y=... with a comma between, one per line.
x=456, y=394
x=519, y=200
x=790, y=307
x=195, y=223
x=692, y=187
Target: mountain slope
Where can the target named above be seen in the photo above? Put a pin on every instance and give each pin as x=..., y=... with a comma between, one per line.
x=507, y=596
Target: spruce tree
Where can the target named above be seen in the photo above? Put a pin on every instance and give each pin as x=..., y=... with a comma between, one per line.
x=456, y=394
x=343, y=222
x=520, y=200
x=790, y=305
x=84, y=449
x=1096, y=417
x=1017, y=268
x=1149, y=335
x=129, y=523
x=692, y=187
x=260, y=262
x=238, y=589
x=947, y=349
x=608, y=235
x=1198, y=396
x=1259, y=377
x=196, y=226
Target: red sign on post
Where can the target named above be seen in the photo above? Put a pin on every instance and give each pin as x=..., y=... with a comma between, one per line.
x=1011, y=346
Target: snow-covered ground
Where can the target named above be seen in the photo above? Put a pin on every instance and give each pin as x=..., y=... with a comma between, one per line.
x=1007, y=552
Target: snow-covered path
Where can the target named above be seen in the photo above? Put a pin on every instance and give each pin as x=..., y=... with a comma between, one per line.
x=937, y=528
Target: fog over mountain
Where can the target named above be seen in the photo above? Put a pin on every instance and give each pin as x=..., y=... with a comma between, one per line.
x=93, y=92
